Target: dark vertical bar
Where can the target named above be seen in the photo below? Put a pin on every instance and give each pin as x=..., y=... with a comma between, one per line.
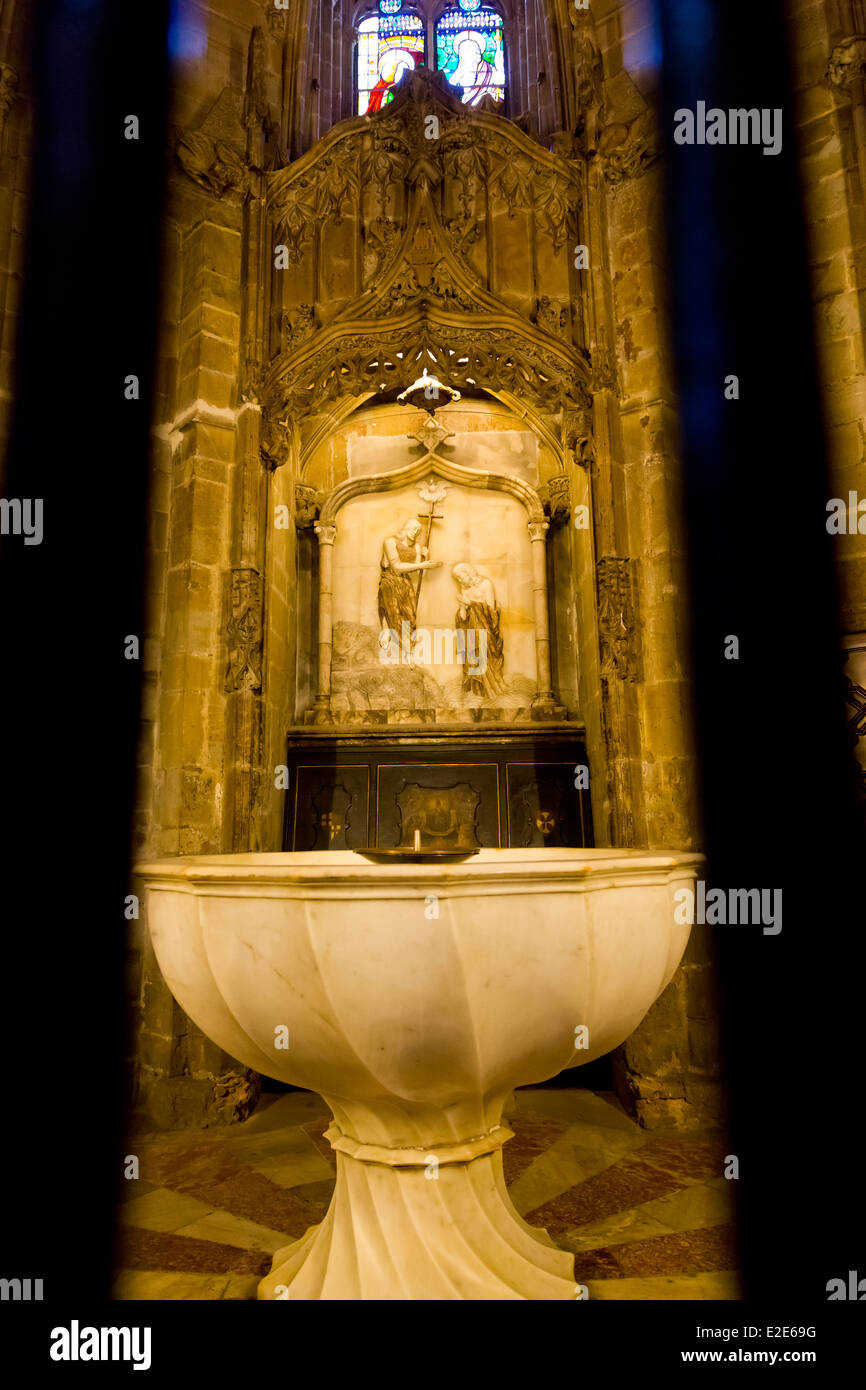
x=777, y=794
x=68, y=697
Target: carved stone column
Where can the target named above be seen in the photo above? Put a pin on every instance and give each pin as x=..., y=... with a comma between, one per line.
x=845, y=70
x=8, y=92
x=326, y=534
x=243, y=685
x=538, y=535
x=604, y=453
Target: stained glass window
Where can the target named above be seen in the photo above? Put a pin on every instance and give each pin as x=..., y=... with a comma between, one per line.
x=388, y=45
x=470, y=50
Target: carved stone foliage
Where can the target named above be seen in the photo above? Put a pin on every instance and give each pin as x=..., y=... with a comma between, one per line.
x=474, y=152
x=273, y=440
x=244, y=632
x=604, y=377
x=627, y=151
x=547, y=194
x=577, y=437
x=847, y=61
x=424, y=269
x=307, y=506
x=298, y=325
x=322, y=193
x=383, y=237
x=555, y=496
x=424, y=131
x=213, y=164
x=224, y=153
x=396, y=223
x=361, y=363
x=617, y=618
x=554, y=315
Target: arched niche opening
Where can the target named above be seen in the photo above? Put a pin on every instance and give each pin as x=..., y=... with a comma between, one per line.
x=357, y=483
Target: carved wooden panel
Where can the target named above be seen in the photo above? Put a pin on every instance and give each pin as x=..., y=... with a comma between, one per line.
x=481, y=790
x=331, y=808
x=453, y=807
x=545, y=808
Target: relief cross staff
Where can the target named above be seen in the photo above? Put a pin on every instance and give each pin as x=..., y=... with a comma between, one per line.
x=431, y=492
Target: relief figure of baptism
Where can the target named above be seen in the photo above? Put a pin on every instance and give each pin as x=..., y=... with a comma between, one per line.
x=403, y=557
x=480, y=619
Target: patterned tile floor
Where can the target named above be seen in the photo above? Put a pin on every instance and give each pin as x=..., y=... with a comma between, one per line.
x=648, y=1215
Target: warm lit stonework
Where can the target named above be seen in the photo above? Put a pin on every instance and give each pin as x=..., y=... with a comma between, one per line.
x=417, y=776
x=284, y=461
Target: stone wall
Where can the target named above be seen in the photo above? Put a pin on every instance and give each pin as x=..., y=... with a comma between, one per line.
x=828, y=43
x=202, y=708
x=223, y=637
x=668, y=1071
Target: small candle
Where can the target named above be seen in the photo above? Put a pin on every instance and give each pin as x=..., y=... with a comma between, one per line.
x=417, y=841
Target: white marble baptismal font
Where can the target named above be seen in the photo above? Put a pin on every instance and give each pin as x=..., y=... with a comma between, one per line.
x=413, y=997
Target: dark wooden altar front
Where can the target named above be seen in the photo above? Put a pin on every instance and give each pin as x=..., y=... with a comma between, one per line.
x=488, y=790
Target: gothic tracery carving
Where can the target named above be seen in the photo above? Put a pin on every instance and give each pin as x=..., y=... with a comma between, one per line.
x=416, y=186
x=244, y=632
x=365, y=362
x=617, y=625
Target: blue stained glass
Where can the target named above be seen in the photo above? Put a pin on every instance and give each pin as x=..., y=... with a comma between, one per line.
x=388, y=46
x=393, y=6
x=470, y=50
x=469, y=6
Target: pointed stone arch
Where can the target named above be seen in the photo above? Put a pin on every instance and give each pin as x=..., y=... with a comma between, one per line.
x=397, y=245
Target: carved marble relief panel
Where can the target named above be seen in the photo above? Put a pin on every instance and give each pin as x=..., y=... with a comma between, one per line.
x=410, y=596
